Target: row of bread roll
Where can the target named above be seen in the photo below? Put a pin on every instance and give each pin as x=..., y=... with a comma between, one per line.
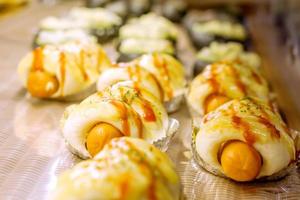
x=72, y=70
x=147, y=34
x=129, y=102
x=104, y=127
x=161, y=74
x=127, y=168
x=239, y=135
x=211, y=25
x=80, y=24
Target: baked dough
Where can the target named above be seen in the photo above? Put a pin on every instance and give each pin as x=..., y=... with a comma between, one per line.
x=134, y=112
x=127, y=168
x=252, y=122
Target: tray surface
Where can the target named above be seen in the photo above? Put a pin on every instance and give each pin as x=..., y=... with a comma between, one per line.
x=33, y=153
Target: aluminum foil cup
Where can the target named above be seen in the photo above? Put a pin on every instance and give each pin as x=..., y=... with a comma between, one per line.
x=164, y=142
x=174, y=104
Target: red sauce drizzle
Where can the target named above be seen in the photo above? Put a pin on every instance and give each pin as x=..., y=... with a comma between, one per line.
x=161, y=92
x=161, y=65
x=124, y=116
x=256, y=77
x=138, y=78
x=81, y=65
x=273, y=130
x=149, y=114
x=62, y=60
x=238, y=81
x=124, y=186
x=38, y=59
x=212, y=81
x=139, y=124
x=248, y=134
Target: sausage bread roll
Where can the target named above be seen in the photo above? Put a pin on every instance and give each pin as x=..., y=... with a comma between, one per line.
x=244, y=140
x=174, y=9
x=168, y=71
x=119, y=110
x=132, y=48
x=102, y=23
x=96, y=22
x=166, y=79
x=127, y=168
x=147, y=34
x=58, y=37
x=213, y=25
x=150, y=26
x=62, y=71
x=223, y=81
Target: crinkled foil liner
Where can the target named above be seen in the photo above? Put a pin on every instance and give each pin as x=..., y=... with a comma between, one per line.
x=174, y=104
x=162, y=143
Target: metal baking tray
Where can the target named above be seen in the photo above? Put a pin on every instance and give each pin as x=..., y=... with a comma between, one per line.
x=33, y=153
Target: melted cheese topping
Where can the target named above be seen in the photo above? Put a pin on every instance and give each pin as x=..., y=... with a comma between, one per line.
x=229, y=79
x=75, y=65
x=250, y=121
x=168, y=71
x=126, y=168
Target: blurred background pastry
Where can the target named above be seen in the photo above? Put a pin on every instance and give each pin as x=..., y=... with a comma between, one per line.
x=212, y=25
x=80, y=24
x=229, y=51
x=124, y=8
x=147, y=34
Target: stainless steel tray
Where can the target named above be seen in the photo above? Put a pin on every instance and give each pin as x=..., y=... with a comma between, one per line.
x=33, y=153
